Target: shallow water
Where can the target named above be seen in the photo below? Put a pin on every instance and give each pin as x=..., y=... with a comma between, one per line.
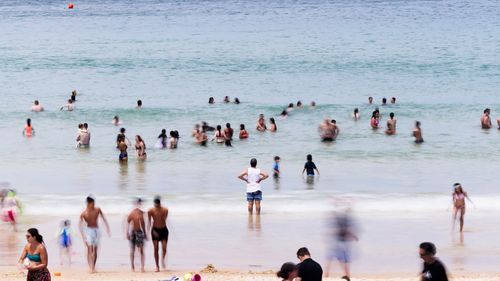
x=439, y=58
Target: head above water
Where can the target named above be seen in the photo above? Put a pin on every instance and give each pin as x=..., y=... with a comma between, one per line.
x=417, y=124
x=486, y=111
x=384, y=101
x=290, y=105
x=458, y=188
x=228, y=125
x=370, y=99
x=139, y=103
x=85, y=125
x=253, y=162
x=236, y=100
x=272, y=120
x=393, y=100
x=277, y=158
x=211, y=100
x=36, y=102
x=299, y=103
x=28, y=122
x=334, y=121
x=356, y=110
x=242, y=126
x=122, y=130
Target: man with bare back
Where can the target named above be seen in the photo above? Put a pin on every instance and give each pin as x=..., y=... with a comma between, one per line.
x=159, y=230
x=90, y=232
x=136, y=232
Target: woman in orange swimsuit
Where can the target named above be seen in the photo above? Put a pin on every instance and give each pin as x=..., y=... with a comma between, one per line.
x=28, y=129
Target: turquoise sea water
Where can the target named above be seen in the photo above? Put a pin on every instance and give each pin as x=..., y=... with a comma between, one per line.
x=439, y=58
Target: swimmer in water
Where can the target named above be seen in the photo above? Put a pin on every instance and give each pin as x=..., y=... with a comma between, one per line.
x=69, y=106
x=28, y=129
x=384, y=101
x=236, y=100
x=243, y=132
x=211, y=100
x=121, y=135
x=140, y=148
x=226, y=99
x=327, y=131
x=206, y=128
x=335, y=129
x=261, y=123
x=116, y=120
x=370, y=100
x=289, y=108
x=73, y=95
x=122, y=146
x=163, y=138
x=393, y=100
x=374, y=120
x=139, y=104
x=200, y=137
x=458, y=197
x=312, y=105
x=228, y=132
x=417, y=133
x=272, y=127
x=219, y=135
x=37, y=107
x=299, y=104
x=284, y=114
x=391, y=125
x=356, y=115
x=485, y=119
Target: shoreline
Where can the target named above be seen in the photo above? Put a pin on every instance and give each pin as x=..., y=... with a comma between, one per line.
x=78, y=274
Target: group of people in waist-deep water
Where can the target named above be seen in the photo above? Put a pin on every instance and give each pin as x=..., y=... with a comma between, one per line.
x=220, y=136
x=211, y=100
x=287, y=110
x=122, y=143
x=34, y=256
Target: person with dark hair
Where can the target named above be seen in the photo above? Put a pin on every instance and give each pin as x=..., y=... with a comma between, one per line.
x=243, y=132
x=485, y=119
x=289, y=108
x=310, y=167
x=417, y=133
x=393, y=100
x=355, y=114
x=284, y=114
x=136, y=233
x=89, y=228
x=253, y=176
x=122, y=135
x=288, y=271
x=272, y=126
x=308, y=270
x=276, y=167
x=36, y=253
x=228, y=132
x=391, y=125
x=374, y=119
x=140, y=148
x=28, y=129
x=83, y=138
x=211, y=100
x=370, y=100
x=139, y=104
x=73, y=95
x=299, y=104
x=10, y=207
x=335, y=129
x=162, y=138
x=159, y=231
x=226, y=99
x=36, y=107
x=434, y=269
x=173, y=140
x=122, y=146
x=236, y=100
x=219, y=135
x=384, y=101
x=65, y=241
x=69, y=105
x=458, y=197
x=327, y=131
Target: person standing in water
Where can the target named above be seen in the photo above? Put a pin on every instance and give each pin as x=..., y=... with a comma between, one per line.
x=122, y=146
x=261, y=123
x=228, y=132
x=355, y=114
x=140, y=148
x=173, y=141
x=374, y=120
x=276, y=167
x=28, y=129
x=121, y=135
x=219, y=135
x=253, y=176
x=83, y=138
x=485, y=119
x=37, y=107
x=69, y=106
x=36, y=253
x=159, y=231
x=243, y=132
x=73, y=95
x=309, y=167
x=272, y=128
x=458, y=197
x=136, y=233
x=417, y=133
x=89, y=229
x=370, y=100
x=391, y=125
x=139, y=104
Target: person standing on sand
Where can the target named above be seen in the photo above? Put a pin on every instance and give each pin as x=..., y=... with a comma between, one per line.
x=253, y=176
x=136, y=233
x=10, y=208
x=36, y=253
x=434, y=269
x=458, y=197
x=485, y=119
x=90, y=233
x=309, y=270
x=159, y=230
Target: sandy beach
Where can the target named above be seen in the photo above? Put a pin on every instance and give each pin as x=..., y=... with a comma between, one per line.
x=9, y=273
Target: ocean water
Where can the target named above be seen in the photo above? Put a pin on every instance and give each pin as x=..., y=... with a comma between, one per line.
x=439, y=58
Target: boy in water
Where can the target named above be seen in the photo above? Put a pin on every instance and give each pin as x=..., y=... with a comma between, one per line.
x=310, y=167
x=65, y=240
x=276, y=167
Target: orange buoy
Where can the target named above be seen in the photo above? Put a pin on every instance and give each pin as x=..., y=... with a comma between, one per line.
x=70, y=6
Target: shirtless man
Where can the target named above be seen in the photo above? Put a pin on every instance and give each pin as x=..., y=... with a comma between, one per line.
x=327, y=131
x=417, y=133
x=391, y=125
x=159, y=230
x=69, y=106
x=261, y=123
x=90, y=232
x=36, y=107
x=485, y=119
x=136, y=233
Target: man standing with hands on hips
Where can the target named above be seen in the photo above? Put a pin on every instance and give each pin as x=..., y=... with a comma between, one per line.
x=253, y=176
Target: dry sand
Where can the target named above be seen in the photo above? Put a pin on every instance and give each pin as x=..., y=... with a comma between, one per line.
x=13, y=274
